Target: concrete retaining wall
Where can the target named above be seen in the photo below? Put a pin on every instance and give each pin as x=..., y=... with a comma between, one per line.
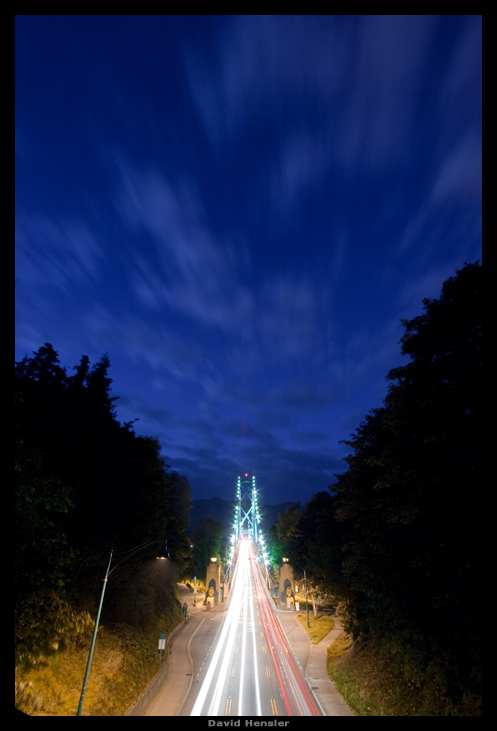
x=156, y=683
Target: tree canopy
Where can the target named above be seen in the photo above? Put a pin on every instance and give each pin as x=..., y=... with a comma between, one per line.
x=207, y=539
x=399, y=537
x=85, y=484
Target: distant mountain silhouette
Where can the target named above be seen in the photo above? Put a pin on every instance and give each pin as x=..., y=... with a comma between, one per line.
x=216, y=507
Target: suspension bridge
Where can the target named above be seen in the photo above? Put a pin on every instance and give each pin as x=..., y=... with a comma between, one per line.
x=251, y=670
x=247, y=519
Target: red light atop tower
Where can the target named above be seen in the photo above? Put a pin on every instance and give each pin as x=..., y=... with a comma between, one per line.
x=246, y=474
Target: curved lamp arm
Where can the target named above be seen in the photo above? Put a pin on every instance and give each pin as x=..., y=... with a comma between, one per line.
x=130, y=553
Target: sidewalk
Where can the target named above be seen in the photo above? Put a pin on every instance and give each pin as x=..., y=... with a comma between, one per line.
x=169, y=700
x=330, y=699
x=312, y=659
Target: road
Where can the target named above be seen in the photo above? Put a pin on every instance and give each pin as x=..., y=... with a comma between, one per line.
x=250, y=669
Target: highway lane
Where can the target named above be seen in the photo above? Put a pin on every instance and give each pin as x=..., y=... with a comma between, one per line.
x=251, y=670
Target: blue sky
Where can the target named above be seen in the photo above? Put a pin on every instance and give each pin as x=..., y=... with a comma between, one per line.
x=239, y=210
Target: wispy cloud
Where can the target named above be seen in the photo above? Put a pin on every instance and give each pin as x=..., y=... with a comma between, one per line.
x=460, y=175
x=243, y=220
x=341, y=97
x=360, y=75
x=55, y=253
x=305, y=396
x=184, y=266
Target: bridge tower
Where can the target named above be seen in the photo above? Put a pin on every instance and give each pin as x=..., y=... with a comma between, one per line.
x=247, y=516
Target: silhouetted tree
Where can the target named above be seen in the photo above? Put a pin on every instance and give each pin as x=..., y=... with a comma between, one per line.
x=281, y=534
x=409, y=505
x=311, y=545
x=84, y=484
x=44, y=367
x=207, y=538
x=80, y=378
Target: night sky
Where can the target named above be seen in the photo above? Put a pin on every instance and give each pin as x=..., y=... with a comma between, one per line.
x=239, y=210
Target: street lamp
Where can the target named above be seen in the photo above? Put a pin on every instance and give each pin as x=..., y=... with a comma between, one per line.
x=305, y=590
x=163, y=554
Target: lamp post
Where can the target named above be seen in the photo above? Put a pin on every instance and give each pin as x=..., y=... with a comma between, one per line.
x=164, y=553
x=305, y=590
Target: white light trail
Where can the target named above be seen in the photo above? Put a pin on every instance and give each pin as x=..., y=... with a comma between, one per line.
x=256, y=674
x=244, y=634
x=225, y=643
x=223, y=672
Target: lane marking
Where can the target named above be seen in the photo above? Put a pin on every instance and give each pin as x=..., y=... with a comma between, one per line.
x=274, y=707
x=233, y=671
x=268, y=672
x=227, y=710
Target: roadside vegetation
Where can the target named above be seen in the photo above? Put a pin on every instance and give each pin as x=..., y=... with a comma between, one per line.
x=125, y=660
x=319, y=626
x=377, y=679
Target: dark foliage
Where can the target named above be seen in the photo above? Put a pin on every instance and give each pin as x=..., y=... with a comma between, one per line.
x=85, y=484
x=207, y=539
x=399, y=537
x=281, y=534
x=321, y=555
